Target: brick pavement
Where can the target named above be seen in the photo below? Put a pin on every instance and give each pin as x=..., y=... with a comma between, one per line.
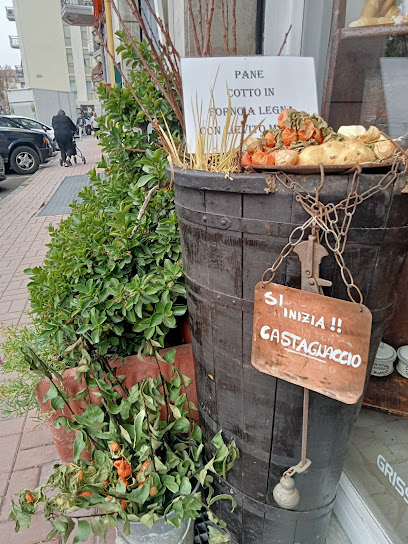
x=27, y=453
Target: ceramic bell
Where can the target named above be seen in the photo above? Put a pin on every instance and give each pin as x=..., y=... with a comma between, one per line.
x=286, y=494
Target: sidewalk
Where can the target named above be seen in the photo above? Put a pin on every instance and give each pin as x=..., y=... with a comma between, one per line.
x=27, y=453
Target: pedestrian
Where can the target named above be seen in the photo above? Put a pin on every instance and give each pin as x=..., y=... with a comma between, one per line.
x=64, y=130
x=94, y=124
x=88, y=127
x=81, y=123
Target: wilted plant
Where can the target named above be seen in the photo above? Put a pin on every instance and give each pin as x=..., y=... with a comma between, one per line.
x=147, y=454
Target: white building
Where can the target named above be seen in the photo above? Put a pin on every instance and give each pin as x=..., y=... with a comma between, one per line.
x=56, y=54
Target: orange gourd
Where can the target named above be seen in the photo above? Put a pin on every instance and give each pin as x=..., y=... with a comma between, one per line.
x=282, y=118
x=270, y=139
x=307, y=133
x=317, y=135
x=289, y=135
x=263, y=158
x=246, y=159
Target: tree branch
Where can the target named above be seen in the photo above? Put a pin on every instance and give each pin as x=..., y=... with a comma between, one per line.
x=209, y=18
x=167, y=93
x=225, y=27
x=197, y=41
x=234, y=26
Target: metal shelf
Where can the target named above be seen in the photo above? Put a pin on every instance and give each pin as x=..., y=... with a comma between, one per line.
x=372, y=31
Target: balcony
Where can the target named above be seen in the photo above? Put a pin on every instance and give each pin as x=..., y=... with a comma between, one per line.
x=14, y=42
x=19, y=72
x=10, y=14
x=77, y=12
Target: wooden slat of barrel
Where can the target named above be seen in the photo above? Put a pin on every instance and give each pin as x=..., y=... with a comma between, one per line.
x=231, y=232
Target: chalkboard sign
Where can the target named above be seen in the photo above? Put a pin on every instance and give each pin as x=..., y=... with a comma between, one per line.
x=318, y=342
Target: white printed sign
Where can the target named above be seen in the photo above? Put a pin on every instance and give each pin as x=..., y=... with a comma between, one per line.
x=264, y=85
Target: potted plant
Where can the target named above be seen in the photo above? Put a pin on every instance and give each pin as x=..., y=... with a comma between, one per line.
x=147, y=459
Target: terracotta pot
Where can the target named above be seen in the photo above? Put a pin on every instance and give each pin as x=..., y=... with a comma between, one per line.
x=185, y=330
x=131, y=367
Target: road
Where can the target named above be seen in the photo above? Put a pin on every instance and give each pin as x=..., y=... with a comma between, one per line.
x=13, y=181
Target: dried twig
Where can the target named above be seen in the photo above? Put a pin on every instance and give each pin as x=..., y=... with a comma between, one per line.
x=225, y=26
x=143, y=209
x=171, y=55
x=241, y=143
x=284, y=40
x=209, y=18
x=168, y=91
x=234, y=27
x=197, y=41
x=200, y=18
x=132, y=149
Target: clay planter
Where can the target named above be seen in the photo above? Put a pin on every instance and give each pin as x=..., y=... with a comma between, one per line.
x=133, y=368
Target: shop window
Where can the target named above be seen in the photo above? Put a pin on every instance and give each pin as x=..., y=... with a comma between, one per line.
x=366, y=83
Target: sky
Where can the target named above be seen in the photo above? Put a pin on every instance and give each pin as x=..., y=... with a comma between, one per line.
x=7, y=54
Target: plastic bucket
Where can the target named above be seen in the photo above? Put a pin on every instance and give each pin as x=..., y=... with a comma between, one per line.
x=160, y=533
x=384, y=361
x=402, y=366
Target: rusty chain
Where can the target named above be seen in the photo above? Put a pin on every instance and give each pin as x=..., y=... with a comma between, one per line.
x=325, y=218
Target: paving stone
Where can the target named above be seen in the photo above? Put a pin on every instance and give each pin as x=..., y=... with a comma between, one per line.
x=8, y=452
x=34, y=439
x=46, y=470
x=32, y=423
x=35, y=457
x=3, y=485
x=4, y=378
x=110, y=538
x=20, y=479
x=18, y=305
x=11, y=426
x=40, y=528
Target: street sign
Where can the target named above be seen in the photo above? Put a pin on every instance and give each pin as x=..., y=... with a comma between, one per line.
x=264, y=85
x=317, y=342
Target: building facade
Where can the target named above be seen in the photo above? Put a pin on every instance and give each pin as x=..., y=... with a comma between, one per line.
x=55, y=54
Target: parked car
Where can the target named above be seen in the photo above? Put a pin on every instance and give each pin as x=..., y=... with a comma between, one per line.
x=29, y=123
x=24, y=150
x=2, y=169
x=9, y=121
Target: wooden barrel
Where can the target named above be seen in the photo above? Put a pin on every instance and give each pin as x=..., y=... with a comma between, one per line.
x=231, y=231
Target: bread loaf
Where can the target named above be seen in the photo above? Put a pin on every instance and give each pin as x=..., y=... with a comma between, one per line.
x=336, y=153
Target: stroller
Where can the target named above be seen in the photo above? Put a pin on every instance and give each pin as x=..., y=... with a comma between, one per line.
x=76, y=152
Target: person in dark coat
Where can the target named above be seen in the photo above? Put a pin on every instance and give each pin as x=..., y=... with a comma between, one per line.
x=64, y=130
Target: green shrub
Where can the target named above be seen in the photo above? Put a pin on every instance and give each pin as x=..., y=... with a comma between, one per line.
x=109, y=276
x=113, y=278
